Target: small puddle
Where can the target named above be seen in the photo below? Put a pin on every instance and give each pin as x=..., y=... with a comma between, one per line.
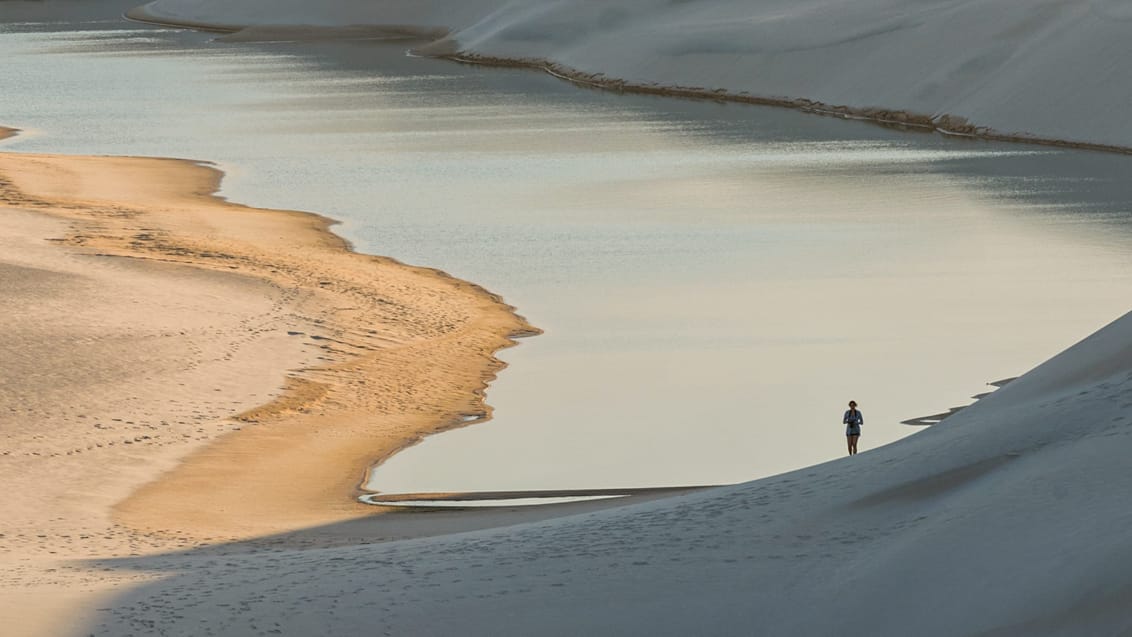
x=461, y=504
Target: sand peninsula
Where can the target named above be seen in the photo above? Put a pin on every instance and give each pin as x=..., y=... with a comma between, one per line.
x=181, y=370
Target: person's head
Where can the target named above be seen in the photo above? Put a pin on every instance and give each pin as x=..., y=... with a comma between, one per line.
x=852, y=404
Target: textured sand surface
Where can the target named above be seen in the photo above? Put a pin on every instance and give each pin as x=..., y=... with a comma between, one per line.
x=1012, y=515
x=179, y=370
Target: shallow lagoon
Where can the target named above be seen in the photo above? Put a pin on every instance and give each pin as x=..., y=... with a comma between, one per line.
x=715, y=281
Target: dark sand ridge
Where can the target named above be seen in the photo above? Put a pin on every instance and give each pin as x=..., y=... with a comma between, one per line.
x=894, y=118
x=402, y=352
x=441, y=45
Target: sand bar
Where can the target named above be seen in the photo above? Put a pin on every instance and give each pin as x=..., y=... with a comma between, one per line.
x=181, y=370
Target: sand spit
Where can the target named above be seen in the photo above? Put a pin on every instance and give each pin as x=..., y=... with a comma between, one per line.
x=180, y=370
x=402, y=352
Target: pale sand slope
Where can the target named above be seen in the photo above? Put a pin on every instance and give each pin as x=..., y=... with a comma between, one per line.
x=142, y=315
x=1009, y=519
x=1045, y=69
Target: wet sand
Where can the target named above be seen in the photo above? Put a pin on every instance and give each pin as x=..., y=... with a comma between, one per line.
x=169, y=355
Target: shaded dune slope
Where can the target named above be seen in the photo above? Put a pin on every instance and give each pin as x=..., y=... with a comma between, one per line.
x=1013, y=511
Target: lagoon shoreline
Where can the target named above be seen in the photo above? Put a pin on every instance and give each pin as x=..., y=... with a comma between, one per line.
x=180, y=352
x=458, y=39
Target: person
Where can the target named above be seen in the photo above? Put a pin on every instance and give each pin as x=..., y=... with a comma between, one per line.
x=853, y=421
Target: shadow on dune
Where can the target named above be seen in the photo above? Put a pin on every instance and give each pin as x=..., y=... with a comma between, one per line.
x=1013, y=511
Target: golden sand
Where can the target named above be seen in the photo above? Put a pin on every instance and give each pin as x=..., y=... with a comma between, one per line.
x=179, y=369
x=403, y=351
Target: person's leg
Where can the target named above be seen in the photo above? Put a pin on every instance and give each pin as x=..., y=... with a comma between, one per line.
x=853, y=444
x=849, y=443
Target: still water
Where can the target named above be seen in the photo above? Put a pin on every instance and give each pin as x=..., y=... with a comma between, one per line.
x=715, y=281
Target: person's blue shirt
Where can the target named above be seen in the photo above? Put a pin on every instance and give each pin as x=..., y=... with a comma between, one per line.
x=853, y=417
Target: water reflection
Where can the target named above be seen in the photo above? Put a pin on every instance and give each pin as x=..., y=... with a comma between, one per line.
x=715, y=280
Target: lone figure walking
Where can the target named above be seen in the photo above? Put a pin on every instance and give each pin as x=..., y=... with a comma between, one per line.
x=853, y=421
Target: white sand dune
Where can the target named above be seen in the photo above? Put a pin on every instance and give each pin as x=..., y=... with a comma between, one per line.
x=1045, y=69
x=1009, y=519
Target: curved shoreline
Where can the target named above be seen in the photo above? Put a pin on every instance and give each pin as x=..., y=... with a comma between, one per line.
x=944, y=124
x=402, y=352
x=443, y=48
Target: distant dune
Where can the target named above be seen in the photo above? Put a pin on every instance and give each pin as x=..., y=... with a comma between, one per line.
x=1042, y=70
